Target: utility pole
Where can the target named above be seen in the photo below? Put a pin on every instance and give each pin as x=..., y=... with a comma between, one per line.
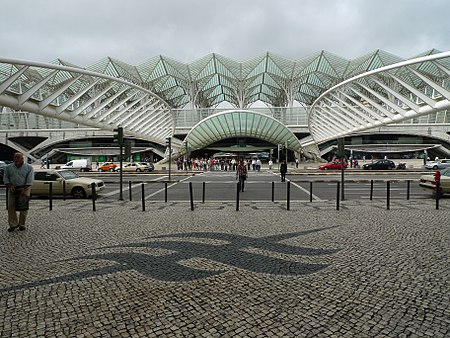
x=119, y=137
x=169, y=145
x=341, y=152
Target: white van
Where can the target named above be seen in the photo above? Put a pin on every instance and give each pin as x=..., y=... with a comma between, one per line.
x=81, y=165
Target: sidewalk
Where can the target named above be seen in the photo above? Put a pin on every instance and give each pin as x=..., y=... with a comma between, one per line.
x=362, y=271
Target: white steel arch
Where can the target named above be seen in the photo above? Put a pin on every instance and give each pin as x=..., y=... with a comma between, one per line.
x=386, y=95
x=85, y=97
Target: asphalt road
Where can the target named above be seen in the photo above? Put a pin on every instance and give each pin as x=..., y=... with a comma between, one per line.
x=261, y=186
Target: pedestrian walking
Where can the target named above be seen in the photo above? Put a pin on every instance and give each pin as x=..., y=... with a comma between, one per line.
x=283, y=170
x=241, y=174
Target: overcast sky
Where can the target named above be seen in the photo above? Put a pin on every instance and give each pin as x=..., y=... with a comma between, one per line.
x=85, y=31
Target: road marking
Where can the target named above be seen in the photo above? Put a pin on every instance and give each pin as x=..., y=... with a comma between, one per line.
x=306, y=191
x=126, y=187
x=169, y=186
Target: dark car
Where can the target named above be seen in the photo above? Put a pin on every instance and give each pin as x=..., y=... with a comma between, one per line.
x=380, y=165
x=2, y=171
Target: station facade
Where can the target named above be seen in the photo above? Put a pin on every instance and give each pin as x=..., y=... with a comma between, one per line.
x=379, y=103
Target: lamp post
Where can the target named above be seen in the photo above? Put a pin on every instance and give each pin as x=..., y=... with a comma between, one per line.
x=119, y=137
x=169, y=144
x=186, y=158
x=286, y=150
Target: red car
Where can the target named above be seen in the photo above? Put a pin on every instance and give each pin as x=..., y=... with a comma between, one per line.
x=332, y=166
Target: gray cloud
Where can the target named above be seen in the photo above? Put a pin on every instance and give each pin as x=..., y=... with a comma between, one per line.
x=85, y=31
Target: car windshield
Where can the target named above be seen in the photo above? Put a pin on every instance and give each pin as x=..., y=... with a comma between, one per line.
x=445, y=172
x=68, y=175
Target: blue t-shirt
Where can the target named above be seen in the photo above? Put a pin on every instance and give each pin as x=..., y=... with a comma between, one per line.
x=18, y=176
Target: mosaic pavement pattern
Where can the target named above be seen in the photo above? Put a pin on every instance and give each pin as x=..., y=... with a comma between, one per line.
x=262, y=271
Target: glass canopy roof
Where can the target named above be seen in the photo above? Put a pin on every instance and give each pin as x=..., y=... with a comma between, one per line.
x=270, y=78
x=241, y=123
x=142, y=97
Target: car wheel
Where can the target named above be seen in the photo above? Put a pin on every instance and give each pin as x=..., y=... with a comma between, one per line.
x=435, y=167
x=325, y=168
x=99, y=169
x=138, y=170
x=78, y=193
x=112, y=169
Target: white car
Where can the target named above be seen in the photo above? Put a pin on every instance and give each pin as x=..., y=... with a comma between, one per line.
x=439, y=164
x=133, y=167
x=427, y=182
x=77, y=187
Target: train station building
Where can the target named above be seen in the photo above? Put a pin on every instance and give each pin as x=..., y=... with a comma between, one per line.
x=379, y=103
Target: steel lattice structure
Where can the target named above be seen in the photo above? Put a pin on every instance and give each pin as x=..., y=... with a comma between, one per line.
x=387, y=95
x=347, y=96
x=85, y=97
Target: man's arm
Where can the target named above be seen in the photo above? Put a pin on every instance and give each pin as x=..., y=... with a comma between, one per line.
x=30, y=177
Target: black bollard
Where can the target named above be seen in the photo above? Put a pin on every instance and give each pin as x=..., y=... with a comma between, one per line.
x=338, y=188
x=203, y=192
x=165, y=192
x=129, y=191
x=94, y=196
x=438, y=193
x=371, y=189
x=237, y=196
x=388, y=195
x=288, y=196
x=310, y=191
x=273, y=191
x=50, y=193
x=191, y=196
x=408, y=188
x=143, y=196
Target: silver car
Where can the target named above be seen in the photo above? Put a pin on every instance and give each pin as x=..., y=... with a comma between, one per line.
x=439, y=164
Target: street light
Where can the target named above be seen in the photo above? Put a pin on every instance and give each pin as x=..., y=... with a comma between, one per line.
x=169, y=145
x=286, y=150
x=119, y=137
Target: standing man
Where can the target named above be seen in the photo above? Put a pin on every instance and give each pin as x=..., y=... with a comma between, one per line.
x=283, y=171
x=18, y=178
x=241, y=173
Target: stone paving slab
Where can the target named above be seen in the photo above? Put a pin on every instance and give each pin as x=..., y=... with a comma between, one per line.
x=313, y=271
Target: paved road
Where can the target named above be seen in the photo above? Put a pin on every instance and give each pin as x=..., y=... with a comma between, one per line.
x=222, y=186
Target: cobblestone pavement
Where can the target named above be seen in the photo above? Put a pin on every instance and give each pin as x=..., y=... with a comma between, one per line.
x=262, y=271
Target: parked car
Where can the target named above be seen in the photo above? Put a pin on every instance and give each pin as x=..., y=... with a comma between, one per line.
x=335, y=165
x=133, y=167
x=380, y=165
x=439, y=164
x=77, y=187
x=107, y=166
x=150, y=166
x=2, y=170
x=427, y=182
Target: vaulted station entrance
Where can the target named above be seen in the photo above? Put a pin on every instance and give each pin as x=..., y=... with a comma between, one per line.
x=241, y=131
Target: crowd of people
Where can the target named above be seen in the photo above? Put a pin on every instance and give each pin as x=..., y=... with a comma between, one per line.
x=217, y=164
